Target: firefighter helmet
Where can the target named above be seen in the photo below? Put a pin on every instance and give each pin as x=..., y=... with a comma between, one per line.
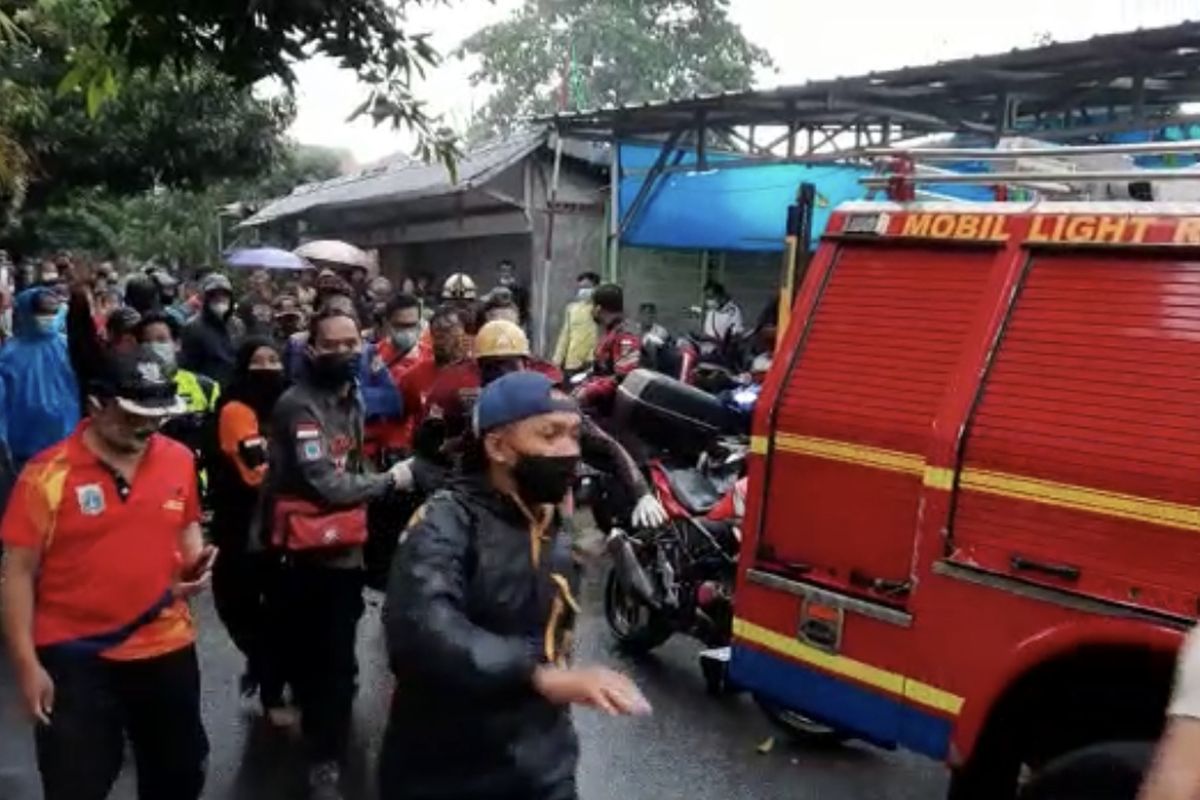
x=459, y=286
x=501, y=339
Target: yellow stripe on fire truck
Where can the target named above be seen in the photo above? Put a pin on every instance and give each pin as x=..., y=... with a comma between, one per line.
x=1018, y=487
x=891, y=682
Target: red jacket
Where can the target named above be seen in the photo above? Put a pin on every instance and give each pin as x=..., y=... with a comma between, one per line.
x=396, y=434
x=456, y=389
x=618, y=353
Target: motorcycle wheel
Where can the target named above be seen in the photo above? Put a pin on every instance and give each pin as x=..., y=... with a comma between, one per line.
x=797, y=727
x=634, y=625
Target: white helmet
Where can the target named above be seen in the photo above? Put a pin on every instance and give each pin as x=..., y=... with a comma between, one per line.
x=459, y=286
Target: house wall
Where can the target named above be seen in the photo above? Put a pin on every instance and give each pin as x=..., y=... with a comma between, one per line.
x=478, y=257
x=672, y=280
x=577, y=245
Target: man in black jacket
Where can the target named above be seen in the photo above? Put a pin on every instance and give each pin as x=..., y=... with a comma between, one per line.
x=208, y=347
x=316, y=459
x=479, y=616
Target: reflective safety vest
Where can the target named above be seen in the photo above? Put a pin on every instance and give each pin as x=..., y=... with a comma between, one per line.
x=199, y=391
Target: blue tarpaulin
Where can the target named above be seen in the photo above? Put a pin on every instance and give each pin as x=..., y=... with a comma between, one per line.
x=734, y=209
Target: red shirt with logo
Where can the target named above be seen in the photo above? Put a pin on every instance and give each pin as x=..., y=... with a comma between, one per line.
x=109, y=549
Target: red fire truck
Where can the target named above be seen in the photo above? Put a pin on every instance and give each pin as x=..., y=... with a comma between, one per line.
x=973, y=527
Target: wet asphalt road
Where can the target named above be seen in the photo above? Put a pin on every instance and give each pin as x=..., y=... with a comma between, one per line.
x=693, y=747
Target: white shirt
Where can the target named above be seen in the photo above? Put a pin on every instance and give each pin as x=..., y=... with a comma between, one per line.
x=724, y=321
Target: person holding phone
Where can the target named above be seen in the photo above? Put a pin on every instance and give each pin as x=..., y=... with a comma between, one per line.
x=102, y=549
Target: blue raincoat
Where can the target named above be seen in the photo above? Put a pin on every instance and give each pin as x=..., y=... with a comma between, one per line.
x=39, y=395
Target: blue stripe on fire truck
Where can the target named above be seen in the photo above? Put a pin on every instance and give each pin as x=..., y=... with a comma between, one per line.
x=882, y=707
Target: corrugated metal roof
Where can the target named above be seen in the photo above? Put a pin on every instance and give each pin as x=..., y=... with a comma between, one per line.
x=397, y=180
x=1139, y=72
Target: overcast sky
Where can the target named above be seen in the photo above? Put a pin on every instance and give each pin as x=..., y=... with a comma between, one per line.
x=843, y=37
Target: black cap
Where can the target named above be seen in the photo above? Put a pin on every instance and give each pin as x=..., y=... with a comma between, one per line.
x=142, y=384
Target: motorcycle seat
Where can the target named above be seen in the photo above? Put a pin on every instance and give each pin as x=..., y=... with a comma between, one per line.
x=693, y=490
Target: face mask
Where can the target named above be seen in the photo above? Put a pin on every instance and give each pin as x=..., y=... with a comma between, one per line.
x=584, y=293
x=335, y=369
x=507, y=280
x=263, y=388
x=141, y=433
x=165, y=351
x=123, y=434
x=544, y=479
x=289, y=323
x=446, y=352
x=711, y=304
x=220, y=308
x=46, y=324
x=405, y=339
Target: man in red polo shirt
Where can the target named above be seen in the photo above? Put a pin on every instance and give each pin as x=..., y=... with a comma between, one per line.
x=402, y=347
x=102, y=548
x=500, y=347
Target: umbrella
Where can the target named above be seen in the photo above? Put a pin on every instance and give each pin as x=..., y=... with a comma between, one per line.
x=333, y=251
x=264, y=258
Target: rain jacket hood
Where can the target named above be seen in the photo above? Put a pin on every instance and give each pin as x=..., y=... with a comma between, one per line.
x=40, y=393
x=24, y=320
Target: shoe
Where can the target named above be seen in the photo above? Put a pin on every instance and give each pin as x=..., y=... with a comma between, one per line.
x=283, y=717
x=323, y=782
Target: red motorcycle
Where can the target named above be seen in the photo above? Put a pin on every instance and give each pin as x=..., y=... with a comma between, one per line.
x=679, y=578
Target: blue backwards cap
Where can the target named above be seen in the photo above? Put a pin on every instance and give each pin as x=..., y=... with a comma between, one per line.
x=515, y=397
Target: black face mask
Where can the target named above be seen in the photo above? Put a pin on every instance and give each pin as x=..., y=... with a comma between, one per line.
x=334, y=370
x=263, y=388
x=544, y=479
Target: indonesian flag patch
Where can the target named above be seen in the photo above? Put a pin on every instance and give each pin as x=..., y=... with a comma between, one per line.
x=307, y=430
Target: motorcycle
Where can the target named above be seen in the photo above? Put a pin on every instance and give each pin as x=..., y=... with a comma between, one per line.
x=679, y=578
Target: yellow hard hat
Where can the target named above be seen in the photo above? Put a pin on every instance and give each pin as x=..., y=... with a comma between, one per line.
x=501, y=339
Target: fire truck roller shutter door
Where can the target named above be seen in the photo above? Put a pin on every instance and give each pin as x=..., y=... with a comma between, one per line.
x=855, y=415
x=1080, y=461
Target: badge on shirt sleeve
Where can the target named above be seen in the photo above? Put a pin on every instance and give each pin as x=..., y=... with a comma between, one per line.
x=91, y=499
x=311, y=449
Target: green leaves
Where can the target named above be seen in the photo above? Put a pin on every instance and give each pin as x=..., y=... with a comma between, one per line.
x=252, y=41
x=168, y=226
x=608, y=52
x=10, y=32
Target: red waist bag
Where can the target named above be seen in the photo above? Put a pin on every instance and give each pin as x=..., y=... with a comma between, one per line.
x=300, y=525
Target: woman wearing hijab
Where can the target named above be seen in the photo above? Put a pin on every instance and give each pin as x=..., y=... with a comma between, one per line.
x=238, y=464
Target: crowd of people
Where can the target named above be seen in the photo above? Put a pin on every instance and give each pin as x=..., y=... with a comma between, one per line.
x=160, y=435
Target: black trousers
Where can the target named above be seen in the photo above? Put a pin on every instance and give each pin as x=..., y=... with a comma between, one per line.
x=322, y=607
x=154, y=702
x=246, y=594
